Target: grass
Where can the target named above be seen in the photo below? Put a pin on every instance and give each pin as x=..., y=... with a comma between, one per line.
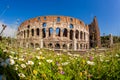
x=42, y=64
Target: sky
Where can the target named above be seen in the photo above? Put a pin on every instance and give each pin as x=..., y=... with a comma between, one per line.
x=14, y=12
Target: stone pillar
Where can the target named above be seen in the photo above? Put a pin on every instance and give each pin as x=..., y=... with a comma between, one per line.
x=41, y=43
x=41, y=35
x=74, y=44
x=67, y=46
x=47, y=32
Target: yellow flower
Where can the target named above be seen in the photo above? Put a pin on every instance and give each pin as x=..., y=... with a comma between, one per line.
x=35, y=72
x=43, y=75
x=83, y=61
x=80, y=74
x=60, y=68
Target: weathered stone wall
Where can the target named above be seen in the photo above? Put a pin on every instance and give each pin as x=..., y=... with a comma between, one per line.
x=58, y=32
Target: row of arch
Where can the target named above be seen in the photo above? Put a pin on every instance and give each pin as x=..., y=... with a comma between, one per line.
x=71, y=34
x=60, y=46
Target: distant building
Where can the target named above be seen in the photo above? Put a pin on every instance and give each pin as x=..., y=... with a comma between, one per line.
x=58, y=32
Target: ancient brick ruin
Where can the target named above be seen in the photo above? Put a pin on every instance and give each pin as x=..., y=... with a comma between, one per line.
x=58, y=32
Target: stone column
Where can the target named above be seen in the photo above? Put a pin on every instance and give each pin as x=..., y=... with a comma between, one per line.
x=41, y=43
x=67, y=46
x=47, y=32
x=74, y=44
x=41, y=35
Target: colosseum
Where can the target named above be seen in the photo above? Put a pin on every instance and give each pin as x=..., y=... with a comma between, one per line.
x=58, y=32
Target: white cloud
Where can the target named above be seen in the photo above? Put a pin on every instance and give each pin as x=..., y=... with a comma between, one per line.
x=10, y=29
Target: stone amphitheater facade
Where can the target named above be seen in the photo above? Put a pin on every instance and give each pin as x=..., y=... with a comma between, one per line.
x=55, y=32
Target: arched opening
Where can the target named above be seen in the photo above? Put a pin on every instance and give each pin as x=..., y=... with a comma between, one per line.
x=50, y=45
x=44, y=45
x=37, y=32
x=45, y=18
x=77, y=34
x=58, y=32
x=64, y=46
x=80, y=46
x=65, y=32
x=32, y=31
x=70, y=46
x=50, y=31
x=31, y=45
x=44, y=24
x=77, y=45
x=58, y=19
x=71, y=26
x=81, y=35
x=27, y=33
x=37, y=45
x=57, y=46
x=44, y=32
x=71, y=34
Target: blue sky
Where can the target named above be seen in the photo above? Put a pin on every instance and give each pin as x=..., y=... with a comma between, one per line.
x=107, y=11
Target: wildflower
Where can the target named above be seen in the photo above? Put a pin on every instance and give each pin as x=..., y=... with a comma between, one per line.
x=44, y=75
x=101, y=59
x=60, y=68
x=80, y=74
x=23, y=65
x=35, y=72
x=42, y=57
x=25, y=53
x=16, y=67
x=83, y=61
x=39, y=63
x=30, y=63
x=12, y=52
x=37, y=48
x=10, y=56
x=21, y=75
x=5, y=51
x=15, y=58
x=107, y=60
x=90, y=63
x=65, y=63
x=62, y=72
x=76, y=55
x=117, y=55
x=38, y=57
x=40, y=52
x=49, y=61
x=90, y=58
x=21, y=59
x=12, y=62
